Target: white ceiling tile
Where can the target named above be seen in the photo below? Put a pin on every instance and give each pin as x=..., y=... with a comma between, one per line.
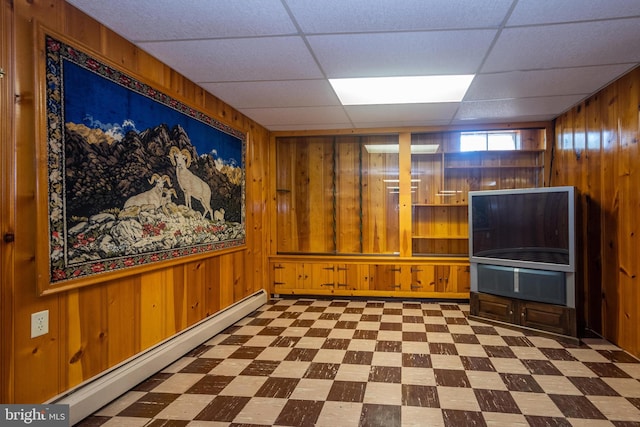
x=309, y=116
x=142, y=20
x=279, y=58
x=401, y=54
x=322, y=16
x=402, y=112
x=290, y=93
x=549, y=106
x=401, y=123
x=514, y=119
x=528, y=12
x=564, y=81
x=565, y=45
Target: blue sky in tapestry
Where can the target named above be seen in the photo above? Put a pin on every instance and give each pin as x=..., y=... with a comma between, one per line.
x=100, y=103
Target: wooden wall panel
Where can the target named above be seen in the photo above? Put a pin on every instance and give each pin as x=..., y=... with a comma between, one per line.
x=96, y=327
x=609, y=207
x=123, y=311
x=592, y=193
x=348, y=201
x=629, y=178
x=596, y=150
x=7, y=202
x=304, y=195
x=380, y=207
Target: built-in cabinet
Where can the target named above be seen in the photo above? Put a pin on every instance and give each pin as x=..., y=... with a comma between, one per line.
x=353, y=278
x=387, y=214
x=556, y=319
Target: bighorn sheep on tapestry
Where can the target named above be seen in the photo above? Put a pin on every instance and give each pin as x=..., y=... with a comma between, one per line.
x=154, y=196
x=166, y=195
x=219, y=215
x=191, y=185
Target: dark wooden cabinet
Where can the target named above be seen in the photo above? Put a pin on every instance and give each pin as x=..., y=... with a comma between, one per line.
x=551, y=318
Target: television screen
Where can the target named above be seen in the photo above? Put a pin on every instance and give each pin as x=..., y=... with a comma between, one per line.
x=526, y=227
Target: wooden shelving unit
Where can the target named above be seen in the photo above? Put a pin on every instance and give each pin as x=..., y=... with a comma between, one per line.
x=442, y=180
x=403, y=216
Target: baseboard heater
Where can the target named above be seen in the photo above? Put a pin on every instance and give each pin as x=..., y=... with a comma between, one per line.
x=93, y=394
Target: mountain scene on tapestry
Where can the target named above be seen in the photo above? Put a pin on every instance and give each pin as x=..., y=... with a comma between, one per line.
x=144, y=176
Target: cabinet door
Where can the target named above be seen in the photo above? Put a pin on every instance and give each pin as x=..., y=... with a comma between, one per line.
x=548, y=317
x=442, y=278
x=423, y=278
x=349, y=277
x=284, y=275
x=459, y=279
x=385, y=277
x=319, y=276
x=493, y=307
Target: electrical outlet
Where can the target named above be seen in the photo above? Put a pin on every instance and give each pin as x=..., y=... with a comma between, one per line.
x=39, y=323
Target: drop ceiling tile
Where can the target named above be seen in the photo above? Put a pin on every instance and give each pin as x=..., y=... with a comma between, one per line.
x=528, y=12
x=144, y=20
x=549, y=106
x=400, y=124
x=295, y=116
x=563, y=81
x=467, y=123
x=353, y=16
x=266, y=58
x=401, y=54
x=402, y=112
x=565, y=45
x=290, y=93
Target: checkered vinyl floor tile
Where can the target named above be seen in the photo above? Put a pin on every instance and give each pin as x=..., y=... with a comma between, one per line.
x=336, y=363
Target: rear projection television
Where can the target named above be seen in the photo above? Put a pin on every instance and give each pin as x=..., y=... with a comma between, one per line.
x=526, y=228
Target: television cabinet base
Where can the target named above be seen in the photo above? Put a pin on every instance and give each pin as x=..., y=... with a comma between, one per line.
x=547, y=319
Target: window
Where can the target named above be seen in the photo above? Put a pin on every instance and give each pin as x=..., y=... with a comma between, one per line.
x=488, y=141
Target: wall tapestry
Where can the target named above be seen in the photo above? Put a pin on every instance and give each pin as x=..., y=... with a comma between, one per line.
x=134, y=176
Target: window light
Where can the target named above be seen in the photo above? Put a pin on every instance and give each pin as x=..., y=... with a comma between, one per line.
x=401, y=90
x=493, y=140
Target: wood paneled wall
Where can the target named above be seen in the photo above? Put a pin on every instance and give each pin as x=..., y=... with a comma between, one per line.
x=96, y=327
x=596, y=150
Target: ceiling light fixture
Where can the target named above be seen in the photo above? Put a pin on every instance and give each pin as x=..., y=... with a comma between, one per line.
x=401, y=90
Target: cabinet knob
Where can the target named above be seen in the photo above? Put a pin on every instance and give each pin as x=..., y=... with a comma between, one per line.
x=9, y=237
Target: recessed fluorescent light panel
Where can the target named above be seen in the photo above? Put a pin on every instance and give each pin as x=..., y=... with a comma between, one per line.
x=401, y=90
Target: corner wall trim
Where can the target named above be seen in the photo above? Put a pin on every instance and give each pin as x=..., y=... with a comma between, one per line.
x=93, y=394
